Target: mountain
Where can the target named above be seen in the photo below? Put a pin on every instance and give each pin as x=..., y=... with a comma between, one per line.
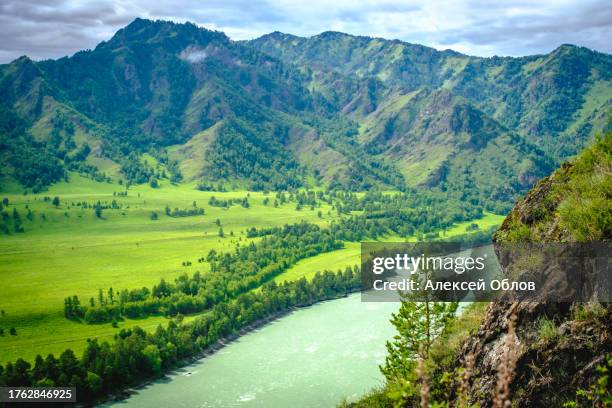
x=283, y=111
x=429, y=103
x=537, y=96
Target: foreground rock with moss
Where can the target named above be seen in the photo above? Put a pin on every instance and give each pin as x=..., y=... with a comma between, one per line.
x=562, y=349
x=529, y=354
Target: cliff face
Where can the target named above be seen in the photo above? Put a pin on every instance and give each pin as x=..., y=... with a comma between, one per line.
x=558, y=347
x=540, y=202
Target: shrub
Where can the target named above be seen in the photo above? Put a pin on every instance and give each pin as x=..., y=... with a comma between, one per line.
x=589, y=312
x=547, y=330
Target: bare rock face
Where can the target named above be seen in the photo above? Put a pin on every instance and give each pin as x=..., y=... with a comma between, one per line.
x=558, y=345
x=548, y=371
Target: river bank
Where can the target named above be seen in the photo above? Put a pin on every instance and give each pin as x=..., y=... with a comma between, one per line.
x=219, y=345
x=318, y=354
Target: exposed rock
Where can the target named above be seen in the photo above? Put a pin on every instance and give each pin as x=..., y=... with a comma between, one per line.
x=549, y=369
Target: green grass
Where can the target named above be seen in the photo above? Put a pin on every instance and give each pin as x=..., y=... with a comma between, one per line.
x=387, y=109
x=596, y=98
x=417, y=167
x=455, y=65
x=80, y=254
x=547, y=330
x=192, y=155
x=52, y=333
x=446, y=346
x=348, y=256
x=487, y=221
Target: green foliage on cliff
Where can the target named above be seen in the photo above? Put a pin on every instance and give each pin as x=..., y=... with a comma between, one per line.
x=573, y=204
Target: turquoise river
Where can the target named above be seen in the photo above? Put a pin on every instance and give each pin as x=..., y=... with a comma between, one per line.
x=313, y=357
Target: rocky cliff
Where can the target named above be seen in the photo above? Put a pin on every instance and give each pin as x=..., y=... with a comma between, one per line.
x=559, y=352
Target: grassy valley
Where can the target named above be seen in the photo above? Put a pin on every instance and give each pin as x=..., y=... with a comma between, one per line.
x=171, y=188
x=73, y=251
x=66, y=249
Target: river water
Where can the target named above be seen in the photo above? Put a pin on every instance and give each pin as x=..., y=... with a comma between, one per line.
x=313, y=357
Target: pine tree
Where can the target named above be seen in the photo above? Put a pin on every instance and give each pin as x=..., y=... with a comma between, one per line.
x=68, y=308
x=98, y=210
x=417, y=325
x=101, y=297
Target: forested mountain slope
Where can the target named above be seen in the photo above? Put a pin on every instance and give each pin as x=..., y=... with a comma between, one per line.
x=440, y=99
x=536, y=96
x=283, y=111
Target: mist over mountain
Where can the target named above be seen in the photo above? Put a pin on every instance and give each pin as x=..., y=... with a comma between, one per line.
x=283, y=111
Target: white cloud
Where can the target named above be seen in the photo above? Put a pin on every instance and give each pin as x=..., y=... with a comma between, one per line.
x=54, y=28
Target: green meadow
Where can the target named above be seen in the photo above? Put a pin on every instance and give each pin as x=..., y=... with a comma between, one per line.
x=67, y=250
x=351, y=253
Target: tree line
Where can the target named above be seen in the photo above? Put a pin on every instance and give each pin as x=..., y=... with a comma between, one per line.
x=231, y=274
x=185, y=212
x=136, y=355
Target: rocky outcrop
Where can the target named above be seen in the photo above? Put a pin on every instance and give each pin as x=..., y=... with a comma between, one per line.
x=539, y=203
x=558, y=347
x=548, y=371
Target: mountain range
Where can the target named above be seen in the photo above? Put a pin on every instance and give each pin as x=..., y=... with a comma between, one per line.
x=162, y=100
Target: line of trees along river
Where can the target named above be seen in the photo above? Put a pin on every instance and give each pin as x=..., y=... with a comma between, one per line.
x=136, y=355
x=226, y=294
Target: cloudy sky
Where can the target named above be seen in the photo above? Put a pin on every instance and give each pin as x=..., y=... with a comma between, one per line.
x=54, y=28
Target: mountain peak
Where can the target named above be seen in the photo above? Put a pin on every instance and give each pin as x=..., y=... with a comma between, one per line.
x=139, y=23
x=571, y=49
x=331, y=33
x=566, y=47
x=280, y=34
x=163, y=32
x=277, y=36
x=335, y=35
x=24, y=59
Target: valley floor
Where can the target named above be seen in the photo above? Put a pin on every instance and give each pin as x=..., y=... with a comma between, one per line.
x=66, y=250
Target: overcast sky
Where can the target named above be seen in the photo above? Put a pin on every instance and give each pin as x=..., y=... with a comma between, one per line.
x=55, y=28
